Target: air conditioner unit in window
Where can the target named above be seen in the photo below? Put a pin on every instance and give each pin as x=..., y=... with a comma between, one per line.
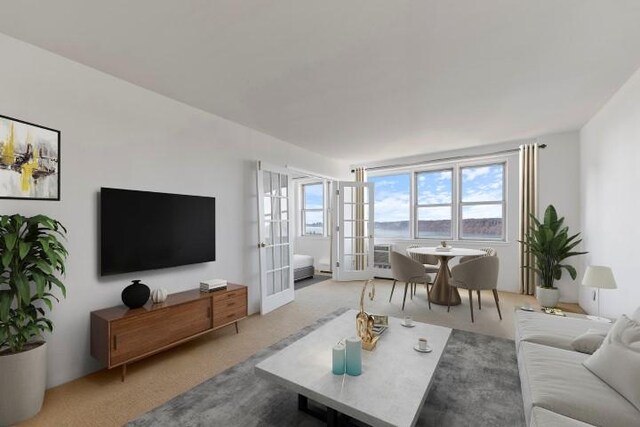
x=381, y=261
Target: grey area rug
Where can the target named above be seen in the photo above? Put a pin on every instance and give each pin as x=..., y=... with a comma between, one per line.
x=310, y=281
x=476, y=384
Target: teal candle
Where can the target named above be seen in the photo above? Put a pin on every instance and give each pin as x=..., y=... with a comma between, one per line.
x=354, y=356
x=339, y=359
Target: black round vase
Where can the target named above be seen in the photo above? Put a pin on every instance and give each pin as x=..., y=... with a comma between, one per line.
x=136, y=294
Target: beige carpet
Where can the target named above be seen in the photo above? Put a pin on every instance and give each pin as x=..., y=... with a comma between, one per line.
x=100, y=399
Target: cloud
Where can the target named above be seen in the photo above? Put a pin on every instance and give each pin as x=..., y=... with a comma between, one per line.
x=434, y=213
x=392, y=208
x=472, y=173
x=482, y=211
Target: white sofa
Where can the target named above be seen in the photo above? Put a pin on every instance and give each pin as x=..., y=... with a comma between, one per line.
x=557, y=390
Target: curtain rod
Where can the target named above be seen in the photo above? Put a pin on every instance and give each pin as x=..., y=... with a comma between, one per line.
x=444, y=159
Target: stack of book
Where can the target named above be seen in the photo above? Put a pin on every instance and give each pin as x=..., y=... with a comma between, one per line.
x=213, y=285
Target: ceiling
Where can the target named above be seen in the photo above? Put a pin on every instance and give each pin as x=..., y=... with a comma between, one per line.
x=357, y=80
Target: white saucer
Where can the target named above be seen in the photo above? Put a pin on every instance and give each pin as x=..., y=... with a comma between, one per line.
x=427, y=350
x=406, y=325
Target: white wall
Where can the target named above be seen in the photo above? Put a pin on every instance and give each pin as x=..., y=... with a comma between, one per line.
x=610, y=178
x=120, y=135
x=558, y=185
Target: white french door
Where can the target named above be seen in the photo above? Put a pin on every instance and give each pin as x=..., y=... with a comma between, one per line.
x=275, y=230
x=353, y=217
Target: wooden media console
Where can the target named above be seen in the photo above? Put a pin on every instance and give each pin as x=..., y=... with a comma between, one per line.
x=120, y=335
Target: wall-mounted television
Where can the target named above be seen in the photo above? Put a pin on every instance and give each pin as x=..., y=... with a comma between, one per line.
x=142, y=230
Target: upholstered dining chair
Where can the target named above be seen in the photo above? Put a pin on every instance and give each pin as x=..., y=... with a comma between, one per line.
x=487, y=252
x=430, y=262
x=411, y=272
x=476, y=275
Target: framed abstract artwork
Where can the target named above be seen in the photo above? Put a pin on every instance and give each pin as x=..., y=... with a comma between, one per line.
x=29, y=161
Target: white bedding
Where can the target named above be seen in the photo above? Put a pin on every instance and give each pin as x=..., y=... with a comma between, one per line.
x=301, y=261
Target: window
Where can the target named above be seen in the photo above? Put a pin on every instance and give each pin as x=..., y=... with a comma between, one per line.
x=392, y=205
x=482, y=204
x=434, y=204
x=312, y=211
x=463, y=201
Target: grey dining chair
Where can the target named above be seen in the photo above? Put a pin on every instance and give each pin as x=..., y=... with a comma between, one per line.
x=488, y=252
x=476, y=275
x=430, y=262
x=411, y=272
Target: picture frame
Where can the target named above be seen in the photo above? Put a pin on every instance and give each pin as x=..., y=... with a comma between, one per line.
x=29, y=160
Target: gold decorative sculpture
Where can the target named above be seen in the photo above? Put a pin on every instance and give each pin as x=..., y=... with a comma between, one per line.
x=364, y=321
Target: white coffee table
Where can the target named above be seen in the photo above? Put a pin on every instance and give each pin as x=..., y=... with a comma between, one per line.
x=395, y=378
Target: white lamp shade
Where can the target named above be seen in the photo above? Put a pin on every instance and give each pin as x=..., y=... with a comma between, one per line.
x=598, y=276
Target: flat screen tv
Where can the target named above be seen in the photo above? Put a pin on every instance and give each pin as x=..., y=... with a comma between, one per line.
x=142, y=230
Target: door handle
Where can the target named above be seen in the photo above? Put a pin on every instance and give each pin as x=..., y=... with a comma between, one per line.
x=262, y=244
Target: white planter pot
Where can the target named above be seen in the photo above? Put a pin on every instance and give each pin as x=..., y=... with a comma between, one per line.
x=547, y=297
x=24, y=379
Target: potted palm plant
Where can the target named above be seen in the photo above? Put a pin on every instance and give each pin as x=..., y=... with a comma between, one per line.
x=31, y=258
x=550, y=244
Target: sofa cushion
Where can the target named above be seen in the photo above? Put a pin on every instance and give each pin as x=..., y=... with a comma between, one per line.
x=588, y=342
x=617, y=361
x=556, y=380
x=541, y=417
x=554, y=331
x=636, y=315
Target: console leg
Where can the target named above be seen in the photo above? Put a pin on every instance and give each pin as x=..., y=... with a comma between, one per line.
x=236, y=327
x=124, y=372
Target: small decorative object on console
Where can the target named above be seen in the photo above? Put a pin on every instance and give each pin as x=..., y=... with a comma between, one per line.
x=213, y=285
x=159, y=295
x=136, y=294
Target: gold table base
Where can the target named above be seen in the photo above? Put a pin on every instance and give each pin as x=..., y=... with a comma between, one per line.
x=441, y=289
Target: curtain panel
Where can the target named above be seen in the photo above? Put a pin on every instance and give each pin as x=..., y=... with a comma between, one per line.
x=528, y=207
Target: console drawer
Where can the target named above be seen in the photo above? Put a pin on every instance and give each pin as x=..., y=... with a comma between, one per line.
x=229, y=295
x=224, y=317
x=229, y=304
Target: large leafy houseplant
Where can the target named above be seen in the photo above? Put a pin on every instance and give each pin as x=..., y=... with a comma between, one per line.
x=551, y=245
x=31, y=256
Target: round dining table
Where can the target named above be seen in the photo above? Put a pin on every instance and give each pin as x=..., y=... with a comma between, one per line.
x=440, y=290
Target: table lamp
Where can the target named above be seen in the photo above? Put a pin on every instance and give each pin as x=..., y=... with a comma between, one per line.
x=599, y=277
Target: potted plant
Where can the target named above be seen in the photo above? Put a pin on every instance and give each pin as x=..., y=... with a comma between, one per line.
x=31, y=257
x=550, y=244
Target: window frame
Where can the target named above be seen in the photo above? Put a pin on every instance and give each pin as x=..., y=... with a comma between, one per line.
x=417, y=206
x=304, y=209
x=456, y=198
x=503, y=202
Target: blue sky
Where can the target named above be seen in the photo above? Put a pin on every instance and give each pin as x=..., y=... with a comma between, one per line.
x=313, y=196
x=483, y=183
x=391, y=197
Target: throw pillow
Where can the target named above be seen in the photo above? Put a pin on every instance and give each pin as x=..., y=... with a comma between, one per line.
x=588, y=342
x=636, y=315
x=617, y=361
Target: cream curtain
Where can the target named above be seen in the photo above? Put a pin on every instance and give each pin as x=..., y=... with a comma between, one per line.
x=360, y=260
x=528, y=205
